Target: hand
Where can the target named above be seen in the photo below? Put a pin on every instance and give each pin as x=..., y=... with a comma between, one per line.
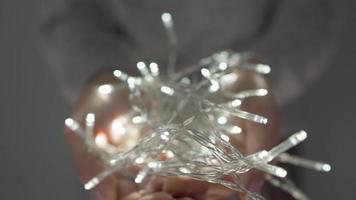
x=255, y=137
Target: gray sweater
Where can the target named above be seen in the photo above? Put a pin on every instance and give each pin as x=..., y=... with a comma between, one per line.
x=296, y=37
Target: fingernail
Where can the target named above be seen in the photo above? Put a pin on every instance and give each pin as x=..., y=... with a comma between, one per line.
x=256, y=186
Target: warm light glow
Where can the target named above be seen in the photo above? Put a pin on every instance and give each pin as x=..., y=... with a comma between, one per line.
x=118, y=129
x=172, y=129
x=101, y=140
x=169, y=154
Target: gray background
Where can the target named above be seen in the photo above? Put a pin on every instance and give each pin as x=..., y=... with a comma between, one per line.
x=33, y=159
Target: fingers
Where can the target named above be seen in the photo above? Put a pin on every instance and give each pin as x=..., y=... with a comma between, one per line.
x=87, y=164
x=143, y=195
x=255, y=137
x=178, y=187
x=218, y=192
x=259, y=136
x=157, y=196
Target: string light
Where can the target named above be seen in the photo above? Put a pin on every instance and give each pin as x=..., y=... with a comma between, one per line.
x=189, y=122
x=190, y=136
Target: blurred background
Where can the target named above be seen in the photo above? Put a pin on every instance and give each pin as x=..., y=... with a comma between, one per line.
x=34, y=163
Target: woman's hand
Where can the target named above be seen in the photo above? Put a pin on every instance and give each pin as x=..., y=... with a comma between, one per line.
x=255, y=137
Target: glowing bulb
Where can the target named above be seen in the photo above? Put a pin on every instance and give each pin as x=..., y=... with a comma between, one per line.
x=91, y=184
x=152, y=164
x=117, y=73
x=105, y=89
x=164, y=137
x=117, y=129
x=90, y=118
x=70, y=123
x=74, y=126
x=167, y=90
x=222, y=66
x=236, y=103
x=214, y=86
x=262, y=68
x=167, y=19
x=262, y=92
x=139, y=178
x=281, y=172
x=222, y=120
x=139, y=160
x=101, y=140
x=326, y=168
x=154, y=69
x=137, y=120
x=205, y=72
x=131, y=81
x=120, y=75
x=184, y=170
x=263, y=154
x=141, y=65
x=225, y=137
x=236, y=130
x=302, y=135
